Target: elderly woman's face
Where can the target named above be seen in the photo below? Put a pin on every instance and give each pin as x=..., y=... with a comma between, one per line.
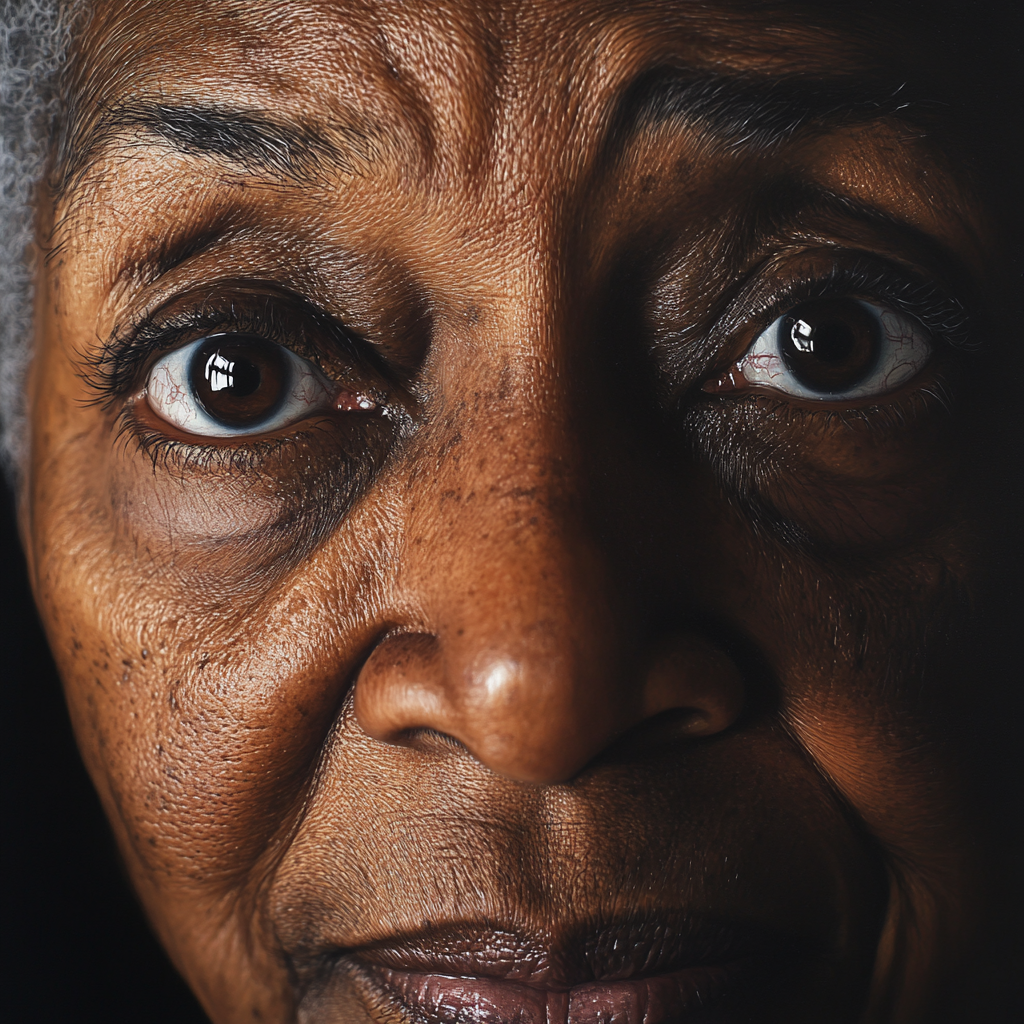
x=505, y=503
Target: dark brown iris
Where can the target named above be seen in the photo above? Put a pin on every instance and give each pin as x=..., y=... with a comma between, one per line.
x=240, y=380
x=830, y=345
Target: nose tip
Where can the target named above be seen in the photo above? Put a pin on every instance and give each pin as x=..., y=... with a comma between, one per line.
x=538, y=723
x=530, y=733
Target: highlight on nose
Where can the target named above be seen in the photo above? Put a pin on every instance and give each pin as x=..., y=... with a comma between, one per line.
x=538, y=722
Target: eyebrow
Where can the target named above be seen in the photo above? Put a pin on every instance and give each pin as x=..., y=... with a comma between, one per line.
x=742, y=112
x=754, y=112
x=250, y=141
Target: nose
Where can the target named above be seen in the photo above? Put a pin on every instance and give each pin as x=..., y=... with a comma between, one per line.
x=534, y=719
x=523, y=645
x=520, y=610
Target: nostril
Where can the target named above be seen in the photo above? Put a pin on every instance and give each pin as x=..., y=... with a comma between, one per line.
x=431, y=741
x=691, y=674
x=538, y=720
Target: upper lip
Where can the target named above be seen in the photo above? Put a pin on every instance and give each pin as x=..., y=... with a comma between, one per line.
x=633, y=948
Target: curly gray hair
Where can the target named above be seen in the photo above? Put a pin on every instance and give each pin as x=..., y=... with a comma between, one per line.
x=34, y=37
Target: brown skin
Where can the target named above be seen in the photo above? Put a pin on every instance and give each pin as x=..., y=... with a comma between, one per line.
x=559, y=638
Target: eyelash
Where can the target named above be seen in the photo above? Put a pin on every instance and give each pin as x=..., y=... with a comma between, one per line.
x=166, y=451
x=944, y=316
x=117, y=369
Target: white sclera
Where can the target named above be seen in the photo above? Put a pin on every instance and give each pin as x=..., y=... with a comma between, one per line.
x=905, y=347
x=170, y=396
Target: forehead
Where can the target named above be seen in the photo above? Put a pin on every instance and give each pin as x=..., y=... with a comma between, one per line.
x=450, y=83
x=493, y=134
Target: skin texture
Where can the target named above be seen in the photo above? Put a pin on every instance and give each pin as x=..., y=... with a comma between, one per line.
x=553, y=638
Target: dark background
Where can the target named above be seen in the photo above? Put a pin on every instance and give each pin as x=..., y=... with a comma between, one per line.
x=76, y=948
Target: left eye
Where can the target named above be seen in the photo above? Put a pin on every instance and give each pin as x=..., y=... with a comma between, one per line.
x=837, y=349
x=231, y=385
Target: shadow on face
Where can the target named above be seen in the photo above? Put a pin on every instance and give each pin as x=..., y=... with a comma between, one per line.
x=514, y=501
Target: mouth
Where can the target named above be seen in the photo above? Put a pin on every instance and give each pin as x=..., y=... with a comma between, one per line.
x=652, y=973
x=442, y=999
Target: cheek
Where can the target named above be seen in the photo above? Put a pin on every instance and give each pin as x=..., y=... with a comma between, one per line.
x=852, y=656
x=192, y=656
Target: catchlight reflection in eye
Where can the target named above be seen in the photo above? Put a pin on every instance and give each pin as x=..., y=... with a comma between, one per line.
x=235, y=385
x=836, y=349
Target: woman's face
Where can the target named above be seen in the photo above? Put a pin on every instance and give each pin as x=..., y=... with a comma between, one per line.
x=506, y=503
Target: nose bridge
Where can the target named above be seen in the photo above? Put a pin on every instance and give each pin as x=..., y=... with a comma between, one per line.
x=527, y=582
x=512, y=487
x=501, y=557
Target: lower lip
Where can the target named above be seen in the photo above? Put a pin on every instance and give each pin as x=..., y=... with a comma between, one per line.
x=666, y=999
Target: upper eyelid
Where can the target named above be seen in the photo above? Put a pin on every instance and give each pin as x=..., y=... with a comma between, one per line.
x=862, y=274
x=113, y=370
x=691, y=353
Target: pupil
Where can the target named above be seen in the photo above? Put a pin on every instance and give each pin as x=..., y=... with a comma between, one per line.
x=830, y=342
x=239, y=380
x=831, y=345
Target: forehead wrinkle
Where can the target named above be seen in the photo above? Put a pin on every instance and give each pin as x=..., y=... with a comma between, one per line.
x=289, y=107
x=584, y=88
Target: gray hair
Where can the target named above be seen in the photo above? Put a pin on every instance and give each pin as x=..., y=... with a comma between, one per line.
x=34, y=38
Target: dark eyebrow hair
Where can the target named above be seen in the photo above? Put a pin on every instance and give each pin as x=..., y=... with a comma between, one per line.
x=755, y=112
x=249, y=140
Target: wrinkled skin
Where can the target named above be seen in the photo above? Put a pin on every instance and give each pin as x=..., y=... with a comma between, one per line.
x=553, y=637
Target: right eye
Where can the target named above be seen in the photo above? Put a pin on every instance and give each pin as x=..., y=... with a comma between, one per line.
x=837, y=350
x=235, y=385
